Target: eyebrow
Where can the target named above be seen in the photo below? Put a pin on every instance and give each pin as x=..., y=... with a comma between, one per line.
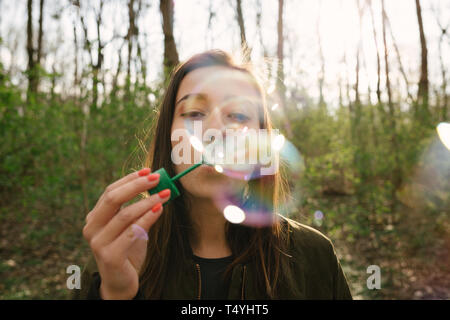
x=200, y=96
x=204, y=97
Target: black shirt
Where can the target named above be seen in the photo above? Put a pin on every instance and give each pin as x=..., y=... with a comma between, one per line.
x=211, y=277
x=94, y=290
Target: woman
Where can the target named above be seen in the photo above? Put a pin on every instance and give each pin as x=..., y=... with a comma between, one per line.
x=187, y=249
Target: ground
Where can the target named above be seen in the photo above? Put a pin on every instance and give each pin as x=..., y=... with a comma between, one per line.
x=35, y=253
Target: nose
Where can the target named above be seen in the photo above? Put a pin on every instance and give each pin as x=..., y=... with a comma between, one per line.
x=215, y=120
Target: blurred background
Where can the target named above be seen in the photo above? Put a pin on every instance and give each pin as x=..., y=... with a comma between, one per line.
x=357, y=86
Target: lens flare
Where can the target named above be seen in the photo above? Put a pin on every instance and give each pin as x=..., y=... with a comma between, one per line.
x=279, y=142
x=443, y=130
x=196, y=143
x=234, y=214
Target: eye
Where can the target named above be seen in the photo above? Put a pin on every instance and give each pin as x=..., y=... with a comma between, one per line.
x=193, y=115
x=239, y=117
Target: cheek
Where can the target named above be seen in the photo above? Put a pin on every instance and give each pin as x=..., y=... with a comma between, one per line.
x=181, y=147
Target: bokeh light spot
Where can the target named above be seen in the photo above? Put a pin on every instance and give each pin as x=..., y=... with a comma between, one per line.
x=443, y=130
x=234, y=214
x=196, y=143
x=278, y=142
x=318, y=215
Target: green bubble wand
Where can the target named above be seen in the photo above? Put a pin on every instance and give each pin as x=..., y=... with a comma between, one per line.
x=166, y=182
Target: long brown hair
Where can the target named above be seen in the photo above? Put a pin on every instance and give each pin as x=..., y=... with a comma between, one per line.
x=168, y=237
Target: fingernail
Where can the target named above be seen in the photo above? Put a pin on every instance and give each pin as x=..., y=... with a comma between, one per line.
x=164, y=193
x=144, y=172
x=153, y=177
x=139, y=232
x=156, y=207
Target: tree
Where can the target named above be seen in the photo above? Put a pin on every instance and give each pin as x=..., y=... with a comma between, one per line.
x=30, y=49
x=395, y=174
x=281, y=88
x=444, y=31
x=374, y=31
x=321, y=76
x=399, y=60
x=244, y=45
x=170, y=49
x=97, y=66
x=40, y=32
x=34, y=54
x=358, y=57
x=423, y=90
x=132, y=32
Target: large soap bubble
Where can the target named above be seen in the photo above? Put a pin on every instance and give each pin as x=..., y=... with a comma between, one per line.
x=257, y=155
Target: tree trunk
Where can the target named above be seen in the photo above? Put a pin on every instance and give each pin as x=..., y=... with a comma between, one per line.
x=115, y=85
x=399, y=60
x=378, y=53
x=40, y=33
x=208, y=37
x=261, y=42
x=280, y=71
x=170, y=49
x=358, y=54
x=32, y=83
x=423, y=91
x=347, y=83
x=75, y=73
x=444, y=31
x=395, y=174
x=321, y=76
x=130, y=37
x=96, y=68
x=244, y=45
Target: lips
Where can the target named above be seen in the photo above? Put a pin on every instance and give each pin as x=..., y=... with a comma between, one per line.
x=207, y=168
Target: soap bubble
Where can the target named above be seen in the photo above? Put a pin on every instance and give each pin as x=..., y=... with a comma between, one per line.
x=428, y=187
x=318, y=215
x=318, y=218
x=251, y=211
x=241, y=153
x=265, y=155
x=255, y=210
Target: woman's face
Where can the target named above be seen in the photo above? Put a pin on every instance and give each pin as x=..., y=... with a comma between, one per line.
x=217, y=98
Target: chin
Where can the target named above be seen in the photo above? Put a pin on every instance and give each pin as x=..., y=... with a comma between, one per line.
x=205, y=190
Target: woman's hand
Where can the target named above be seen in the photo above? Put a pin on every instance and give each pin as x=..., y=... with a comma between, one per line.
x=118, y=236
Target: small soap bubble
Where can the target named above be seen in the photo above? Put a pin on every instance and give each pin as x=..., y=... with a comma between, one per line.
x=318, y=215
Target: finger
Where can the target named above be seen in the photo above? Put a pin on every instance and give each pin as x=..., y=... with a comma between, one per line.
x=128, y=216
x=113, y=200
x=129, y=177
x=138, y=230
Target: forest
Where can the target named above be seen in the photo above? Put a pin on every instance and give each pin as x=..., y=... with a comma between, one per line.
x=359, y=87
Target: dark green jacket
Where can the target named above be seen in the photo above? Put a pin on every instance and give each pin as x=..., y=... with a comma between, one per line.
x=316, y=270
